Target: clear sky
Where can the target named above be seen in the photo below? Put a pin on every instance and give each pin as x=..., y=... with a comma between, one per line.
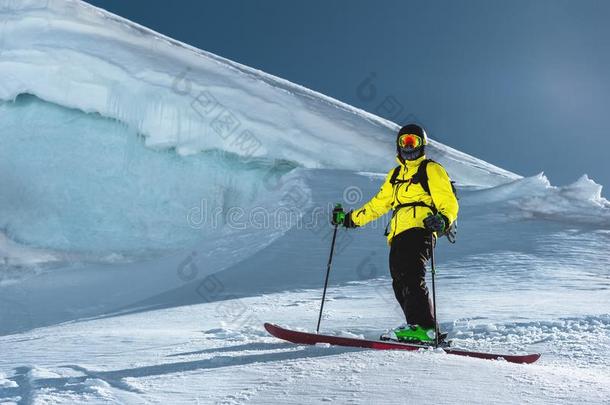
x=522, y=84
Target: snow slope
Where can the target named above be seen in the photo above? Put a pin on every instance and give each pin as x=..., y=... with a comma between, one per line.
x=168, y=129
x=159, y=203
x=75, y=55
x=509, y=284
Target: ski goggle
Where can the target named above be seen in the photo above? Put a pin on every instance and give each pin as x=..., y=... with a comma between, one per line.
x=409, y=141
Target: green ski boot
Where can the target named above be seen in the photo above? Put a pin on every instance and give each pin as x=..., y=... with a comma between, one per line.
x=415, y=334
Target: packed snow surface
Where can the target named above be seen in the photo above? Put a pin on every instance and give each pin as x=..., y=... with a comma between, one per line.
x=158, y=203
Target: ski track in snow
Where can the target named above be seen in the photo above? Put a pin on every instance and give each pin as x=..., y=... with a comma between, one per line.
x=166, y=358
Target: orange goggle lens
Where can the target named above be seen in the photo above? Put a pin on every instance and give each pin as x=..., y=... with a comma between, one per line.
x=409, y=141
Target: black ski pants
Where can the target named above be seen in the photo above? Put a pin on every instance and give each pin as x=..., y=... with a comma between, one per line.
x=409, y=252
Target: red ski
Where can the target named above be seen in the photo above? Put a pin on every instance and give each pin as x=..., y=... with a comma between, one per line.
x=313, y=338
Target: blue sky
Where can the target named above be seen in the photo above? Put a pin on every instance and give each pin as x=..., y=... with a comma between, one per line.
x=522, y=84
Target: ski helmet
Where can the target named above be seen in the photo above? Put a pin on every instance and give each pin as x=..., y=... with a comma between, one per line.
x=411, y=142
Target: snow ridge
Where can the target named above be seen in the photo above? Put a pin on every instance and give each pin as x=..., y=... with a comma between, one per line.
x=184, y=98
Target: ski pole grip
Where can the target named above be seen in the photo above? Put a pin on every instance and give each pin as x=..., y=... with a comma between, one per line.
x=338, y=215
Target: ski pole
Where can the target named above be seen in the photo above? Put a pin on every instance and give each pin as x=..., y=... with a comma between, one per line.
x=433, y=271
x=330, y=260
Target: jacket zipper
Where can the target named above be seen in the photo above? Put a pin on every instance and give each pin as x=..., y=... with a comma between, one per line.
x=396, y=199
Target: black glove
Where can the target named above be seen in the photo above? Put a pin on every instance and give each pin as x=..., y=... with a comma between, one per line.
x=436, y=223
x=348, y=222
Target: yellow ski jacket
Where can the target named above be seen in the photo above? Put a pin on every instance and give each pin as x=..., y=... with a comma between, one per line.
x=404, y=191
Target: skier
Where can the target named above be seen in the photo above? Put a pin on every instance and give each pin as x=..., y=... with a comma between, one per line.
x=424, y=206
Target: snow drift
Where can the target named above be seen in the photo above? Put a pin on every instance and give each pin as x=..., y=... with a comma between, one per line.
x=141, y=152
x=125, y=131
x=75, y=55
x=580, y=202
